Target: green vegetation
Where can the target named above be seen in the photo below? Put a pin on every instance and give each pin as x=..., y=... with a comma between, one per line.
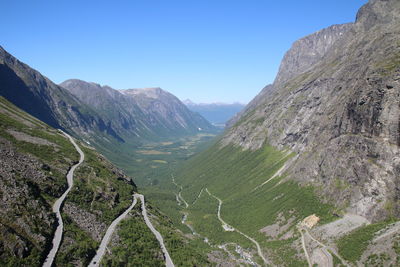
x=354, y=244
x=389, y=65
x=34, y=259
x=203, y=217
x=80, y=246
x=377, y=259
x=156, y=183
x=284, y=253
x=250, y=203
x=165, y=200
x=237, y=176
x=155, y=160
x=99, y=187
x=184, y=252
x=336, y=261
x=396, y=248
x=137, y=246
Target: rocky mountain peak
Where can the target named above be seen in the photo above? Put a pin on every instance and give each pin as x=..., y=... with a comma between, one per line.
x=2, y=51
x=308, y=50
x=152, y=92
x=377, y=12
x=83, y=85
x=4, y=55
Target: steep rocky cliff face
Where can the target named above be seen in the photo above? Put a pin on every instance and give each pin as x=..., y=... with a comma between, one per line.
x=145, y=113
x=309, y=50
x=336, y=104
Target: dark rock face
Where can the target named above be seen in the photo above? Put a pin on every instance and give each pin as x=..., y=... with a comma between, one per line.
x=336, y=103
x=13, y=88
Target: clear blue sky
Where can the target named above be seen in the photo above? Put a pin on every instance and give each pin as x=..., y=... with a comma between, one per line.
x=205, y=50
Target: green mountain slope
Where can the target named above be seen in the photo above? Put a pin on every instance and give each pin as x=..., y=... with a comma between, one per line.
x=237, y=177
x=314, y=157
x=34, y=161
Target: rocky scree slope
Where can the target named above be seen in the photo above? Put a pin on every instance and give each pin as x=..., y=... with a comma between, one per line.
x=336, y=103
x=146, y=113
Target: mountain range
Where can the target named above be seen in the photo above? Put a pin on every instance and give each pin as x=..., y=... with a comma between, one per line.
x=111, y=120
x=146, y=113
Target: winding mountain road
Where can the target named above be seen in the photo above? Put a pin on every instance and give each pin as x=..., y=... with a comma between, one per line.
x=57, y=206
x=106, y=238
x=303, y=244
x=180, y=192
x=104, y=242
x=179, y=199
x=227, y=227
x=325, y=253
x=168, y=260
x=327, y=249
x=103, y=245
